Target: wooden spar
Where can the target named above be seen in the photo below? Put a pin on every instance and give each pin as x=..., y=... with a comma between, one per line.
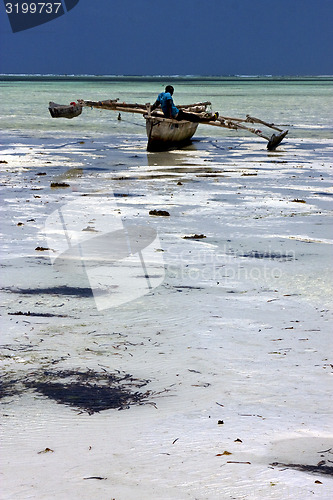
x=273, y=141
x=183, y=106
x=115, y=105
x=198, y=109
x=251, y=119
x=235, y=126
x=122, y=109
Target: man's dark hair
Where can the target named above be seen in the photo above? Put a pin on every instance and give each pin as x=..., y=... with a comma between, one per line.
x=169, y=88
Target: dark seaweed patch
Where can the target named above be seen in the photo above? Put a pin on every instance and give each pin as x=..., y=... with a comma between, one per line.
x=87, y=397
x=180, y=288
x=59, y=185
x=43, y=315
x=268, y=255
x=161, y=213
x=315, y=469
x=194, y=237
x=254, y=254
x=126, y=195
x=7, y=388
x=89, y=391
x=322, y=193
x=54, y=290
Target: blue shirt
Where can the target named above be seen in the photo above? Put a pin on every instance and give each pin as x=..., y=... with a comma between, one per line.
x=165, y=99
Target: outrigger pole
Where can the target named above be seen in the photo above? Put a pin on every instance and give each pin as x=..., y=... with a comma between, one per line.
x=199, y=108
x=236, y=123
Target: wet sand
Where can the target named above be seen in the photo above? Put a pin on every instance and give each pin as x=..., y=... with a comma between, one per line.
x=229, y=346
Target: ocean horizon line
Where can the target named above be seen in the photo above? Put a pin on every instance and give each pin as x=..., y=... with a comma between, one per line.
x=54, y=76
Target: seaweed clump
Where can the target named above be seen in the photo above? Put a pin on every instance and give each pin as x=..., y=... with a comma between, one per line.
x=89, y=391
x=7, y=388
x=321, y=468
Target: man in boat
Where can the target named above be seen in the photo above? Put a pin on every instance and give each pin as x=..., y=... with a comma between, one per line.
x=165, y=100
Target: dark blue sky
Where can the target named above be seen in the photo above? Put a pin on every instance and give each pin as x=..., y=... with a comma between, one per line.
x=197, y=37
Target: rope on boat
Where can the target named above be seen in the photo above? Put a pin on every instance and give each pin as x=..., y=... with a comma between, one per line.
x=131, y=122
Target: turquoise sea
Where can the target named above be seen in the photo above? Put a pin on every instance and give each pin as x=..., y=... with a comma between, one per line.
x=304, y=105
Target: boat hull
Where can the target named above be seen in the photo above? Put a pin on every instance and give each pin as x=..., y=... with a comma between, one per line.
x=164, y=134
x=63, y=111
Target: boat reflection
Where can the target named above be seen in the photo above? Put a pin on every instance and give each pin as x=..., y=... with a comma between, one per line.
x=176, y=157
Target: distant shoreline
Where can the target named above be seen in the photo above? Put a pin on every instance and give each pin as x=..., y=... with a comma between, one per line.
x=148, y=78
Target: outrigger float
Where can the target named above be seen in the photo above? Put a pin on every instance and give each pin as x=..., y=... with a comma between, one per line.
x=165, y=133
x=64, y=111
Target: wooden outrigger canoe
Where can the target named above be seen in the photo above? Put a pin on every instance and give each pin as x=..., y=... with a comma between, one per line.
x=64, y=111
x=164, y=133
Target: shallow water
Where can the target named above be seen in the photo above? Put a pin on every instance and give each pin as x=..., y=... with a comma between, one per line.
x=237, y=330
x=304, y=105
